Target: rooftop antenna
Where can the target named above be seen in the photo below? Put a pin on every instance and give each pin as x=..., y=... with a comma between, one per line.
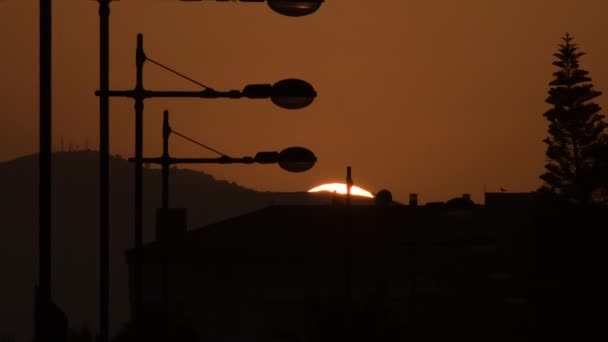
x=349, y=185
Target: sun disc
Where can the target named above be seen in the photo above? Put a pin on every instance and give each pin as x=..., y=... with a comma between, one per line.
x=340, y=188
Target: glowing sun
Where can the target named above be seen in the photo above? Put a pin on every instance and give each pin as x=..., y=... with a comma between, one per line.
x=340, y=188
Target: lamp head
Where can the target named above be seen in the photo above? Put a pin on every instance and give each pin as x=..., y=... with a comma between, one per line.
x=292, y=94
x=296, y=159
x=295, y=8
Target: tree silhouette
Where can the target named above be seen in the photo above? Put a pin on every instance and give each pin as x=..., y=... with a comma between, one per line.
x=576, y=130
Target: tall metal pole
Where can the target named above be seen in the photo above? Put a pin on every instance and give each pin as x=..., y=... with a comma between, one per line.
x=43, y=296
x=104, y=166
x=166, y=161
x=165, y=225
x=140, y=58
x=349, y=264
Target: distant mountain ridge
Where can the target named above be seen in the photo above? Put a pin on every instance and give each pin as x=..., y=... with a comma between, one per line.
x=75, y=229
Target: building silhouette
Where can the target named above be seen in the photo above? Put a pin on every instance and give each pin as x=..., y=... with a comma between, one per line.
x=327, y=273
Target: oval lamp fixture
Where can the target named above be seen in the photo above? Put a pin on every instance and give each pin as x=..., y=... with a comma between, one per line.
x=292, y=94
x=297, y=159
x=295, y=8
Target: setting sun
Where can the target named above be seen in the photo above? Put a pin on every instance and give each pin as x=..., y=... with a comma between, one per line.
x=340, y=188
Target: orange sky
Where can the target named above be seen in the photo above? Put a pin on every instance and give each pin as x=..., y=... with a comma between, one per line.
x=435, y=97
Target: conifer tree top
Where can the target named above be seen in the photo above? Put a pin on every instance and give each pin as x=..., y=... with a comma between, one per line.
x=569, y=73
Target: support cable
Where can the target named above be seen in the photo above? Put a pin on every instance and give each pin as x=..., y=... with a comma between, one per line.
x=177, y=73
x=200, y=144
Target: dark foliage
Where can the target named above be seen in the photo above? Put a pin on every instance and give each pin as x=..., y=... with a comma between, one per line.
x=577, y=138
x=568, y=286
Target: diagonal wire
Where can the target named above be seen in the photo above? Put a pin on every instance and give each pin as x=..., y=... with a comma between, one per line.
x=177, y=73
x=198, y=143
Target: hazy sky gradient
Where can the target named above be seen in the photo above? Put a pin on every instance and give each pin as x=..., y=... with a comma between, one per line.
x=436, y=97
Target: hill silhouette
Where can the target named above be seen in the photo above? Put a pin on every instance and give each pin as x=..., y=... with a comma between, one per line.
x=75, y=230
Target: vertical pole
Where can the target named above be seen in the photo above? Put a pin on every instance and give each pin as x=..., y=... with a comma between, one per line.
x=104, y=161
x=165, y=225
x=348, y=275
x=349, y=185
x=349, y=266
x=140, y=58
x=166, y=160
x=43, y=298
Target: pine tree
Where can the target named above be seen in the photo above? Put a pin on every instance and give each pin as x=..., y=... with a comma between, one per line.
x=576, y=130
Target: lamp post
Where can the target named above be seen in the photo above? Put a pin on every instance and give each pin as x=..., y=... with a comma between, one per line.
x=293, y=8
x=104, y=171
x=42, y=296
x=292, y=159
x=288, y=93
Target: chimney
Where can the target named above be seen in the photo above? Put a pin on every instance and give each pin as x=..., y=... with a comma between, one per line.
x=174, y=219
x=413, y=200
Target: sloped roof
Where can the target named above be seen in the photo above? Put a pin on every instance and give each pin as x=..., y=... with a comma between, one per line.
x=285, y=229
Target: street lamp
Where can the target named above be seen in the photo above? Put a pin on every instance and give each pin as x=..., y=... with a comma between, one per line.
x=292, y=159
x=293, y=8
x=290, y=94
